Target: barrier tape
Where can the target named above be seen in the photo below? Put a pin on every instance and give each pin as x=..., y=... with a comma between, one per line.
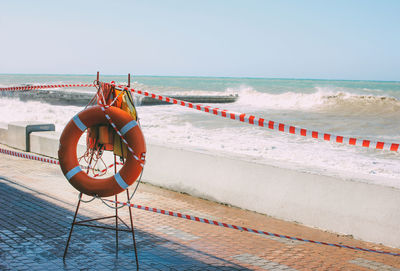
x=45, y=87
x=103, y=107
x=47, y=160
x=199, y=219
x=30, y=156
x=250, y=119
x=140, y=160
x=226, y=225
x=273, y=125
x=105, y=170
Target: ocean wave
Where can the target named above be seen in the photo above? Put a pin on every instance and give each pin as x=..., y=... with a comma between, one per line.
x=335, y=100
x=322, y=99
x=361, y=104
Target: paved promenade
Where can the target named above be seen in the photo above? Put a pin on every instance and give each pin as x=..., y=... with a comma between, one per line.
x=38, y=204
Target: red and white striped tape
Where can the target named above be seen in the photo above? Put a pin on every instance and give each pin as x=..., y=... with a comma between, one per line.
x=105, y=170
x=29, y=156
x=199, y=219
x=48, y=160
x=250, y=119
x=141, y=158
x=45, y=87
x=227, y=225
x=281, y=127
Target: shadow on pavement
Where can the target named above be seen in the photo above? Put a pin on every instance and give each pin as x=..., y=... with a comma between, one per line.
x=33, y=234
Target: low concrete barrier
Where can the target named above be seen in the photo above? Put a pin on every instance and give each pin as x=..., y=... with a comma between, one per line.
x=3, y=132
x=352, y=206
x=18, y=133
x=367, y=211
x=45, y=143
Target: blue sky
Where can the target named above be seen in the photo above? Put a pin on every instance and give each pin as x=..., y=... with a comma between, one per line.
x=286, y=39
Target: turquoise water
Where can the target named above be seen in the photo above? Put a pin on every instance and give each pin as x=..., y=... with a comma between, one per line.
x=316, y=104
x=362, y=109
x=218, y=84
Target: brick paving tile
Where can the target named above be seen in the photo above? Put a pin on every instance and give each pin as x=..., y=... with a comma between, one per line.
x=38, y=205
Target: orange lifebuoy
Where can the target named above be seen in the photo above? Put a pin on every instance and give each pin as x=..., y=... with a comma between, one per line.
x=68, y=157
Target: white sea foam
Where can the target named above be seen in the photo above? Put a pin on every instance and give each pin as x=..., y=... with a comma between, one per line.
x=361, y=113
x=288, y=100
x=263, y=145
x=12, y=109
x=177, y=125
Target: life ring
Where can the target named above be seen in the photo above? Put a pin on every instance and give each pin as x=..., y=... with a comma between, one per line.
x=68, y=157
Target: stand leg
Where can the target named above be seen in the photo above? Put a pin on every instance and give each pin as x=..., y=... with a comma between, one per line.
x=116, y=211
x=133, y=232
x=72, y=226
x=116, y=226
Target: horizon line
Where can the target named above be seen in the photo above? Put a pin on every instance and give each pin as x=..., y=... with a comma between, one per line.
x=200, y=76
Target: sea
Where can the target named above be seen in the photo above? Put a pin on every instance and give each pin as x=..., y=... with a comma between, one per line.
x=352, y=108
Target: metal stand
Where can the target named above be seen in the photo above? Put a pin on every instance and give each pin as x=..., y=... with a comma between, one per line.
x=117, y=218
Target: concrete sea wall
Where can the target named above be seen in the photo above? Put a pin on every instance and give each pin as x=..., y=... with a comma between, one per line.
x=61, y=97
x=366, y=210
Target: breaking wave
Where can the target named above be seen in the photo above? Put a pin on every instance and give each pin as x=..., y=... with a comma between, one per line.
x=322, y=99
